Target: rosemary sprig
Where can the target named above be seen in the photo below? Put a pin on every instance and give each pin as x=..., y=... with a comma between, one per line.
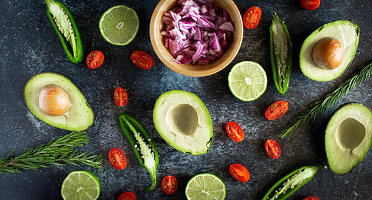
x=320, y=107
x=56, y=152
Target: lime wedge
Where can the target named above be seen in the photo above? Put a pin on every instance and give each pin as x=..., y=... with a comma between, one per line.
x=205, y=187
x=80, y=185
x=247, y=80
x=119, y=25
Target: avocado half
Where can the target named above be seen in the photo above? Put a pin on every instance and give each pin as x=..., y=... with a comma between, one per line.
x=78, y=118
x=346, y=32
x=183, y=121
x=348, y=137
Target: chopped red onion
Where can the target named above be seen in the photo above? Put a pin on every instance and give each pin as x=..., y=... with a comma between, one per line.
x=227, y=26
x=196, y=31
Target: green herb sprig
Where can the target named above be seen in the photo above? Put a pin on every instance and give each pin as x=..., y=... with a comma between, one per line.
x=319, y=108
x=57, y=152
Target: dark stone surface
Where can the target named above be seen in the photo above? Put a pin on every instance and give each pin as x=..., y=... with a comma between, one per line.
x=30, y=46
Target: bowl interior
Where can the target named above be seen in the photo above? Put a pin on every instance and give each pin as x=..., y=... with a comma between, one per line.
x=164, y=55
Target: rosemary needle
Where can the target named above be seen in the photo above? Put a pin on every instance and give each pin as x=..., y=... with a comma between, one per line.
x=319, y=108
x=57, y=152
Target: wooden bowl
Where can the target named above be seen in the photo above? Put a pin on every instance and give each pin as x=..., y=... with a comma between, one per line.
x=164, y=55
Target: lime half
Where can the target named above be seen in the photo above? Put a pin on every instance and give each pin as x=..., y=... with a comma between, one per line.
x=205, y=187
x=80, y=185
x=119, y=25
x=247, y=80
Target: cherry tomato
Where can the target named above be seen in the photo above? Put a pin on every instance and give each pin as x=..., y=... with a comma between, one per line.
x=239, y=172
x=252, y=17
x=276, y=110
x=95, y=59
x=117, y=159
x=272, y=149
x=310, y=4
x=311, y=198
x=120, y=97
x=169, y=184
x=142, y=59
x=127, y=196
x=234, y=131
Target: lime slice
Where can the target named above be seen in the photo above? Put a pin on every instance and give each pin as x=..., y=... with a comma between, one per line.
x=119, y=25
x=247, y=80
x=205, y=187
x=80, y=185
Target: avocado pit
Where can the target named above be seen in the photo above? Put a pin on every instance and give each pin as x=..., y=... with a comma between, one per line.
x=182, y=119
x=328, y=53
x=351, y=133
x=54, y=100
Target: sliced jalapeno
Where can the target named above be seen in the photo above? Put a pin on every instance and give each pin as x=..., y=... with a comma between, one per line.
x=67, y=30
x=281, y=53
x=143, y=147
x=291, y=183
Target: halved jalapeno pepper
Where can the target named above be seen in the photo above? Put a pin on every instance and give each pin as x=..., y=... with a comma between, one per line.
x=143, y=147
x=67, y=30
x=291, y=183
x=281, y=53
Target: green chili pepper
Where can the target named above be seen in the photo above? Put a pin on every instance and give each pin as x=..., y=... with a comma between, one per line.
x=67, y=30
x=142, y=145
x=289, y=184
x=281, y=54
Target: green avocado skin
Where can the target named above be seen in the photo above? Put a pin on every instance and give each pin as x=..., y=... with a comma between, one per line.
x=80, y=116
x=348, y=137
x=337, y=30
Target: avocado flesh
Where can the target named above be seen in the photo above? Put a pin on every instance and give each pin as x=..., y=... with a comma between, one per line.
x=78, y=118
x=183, y=121
x=344, y=31
x=348, y=137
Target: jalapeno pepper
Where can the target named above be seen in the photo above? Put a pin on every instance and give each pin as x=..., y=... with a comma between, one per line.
x=281, y=53
x=143, y=147
x=291, y=183
x=67, y=30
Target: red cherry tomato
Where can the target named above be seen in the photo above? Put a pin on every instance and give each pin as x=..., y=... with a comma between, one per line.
x=272, y=149
x=117, y=159
x=169, y=184
x=310, y=4
x=234, y=131
x=252, y=17
x=142, y=59
x=239, y=172
x=276, y=110
x=311, y=198
x=120, y=97
x=95, y=59
x=127, y=196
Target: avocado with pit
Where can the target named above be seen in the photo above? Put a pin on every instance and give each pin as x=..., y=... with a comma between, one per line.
x=183, y=121
x=328, y=51
x=55, y=100
x=348, y=137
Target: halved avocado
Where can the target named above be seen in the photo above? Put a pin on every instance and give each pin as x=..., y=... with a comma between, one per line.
x=183, y=121
x=348, y=137
x=79, y=116
x=344, y=31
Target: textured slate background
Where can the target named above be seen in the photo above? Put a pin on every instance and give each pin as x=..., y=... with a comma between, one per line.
x=30, y=46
